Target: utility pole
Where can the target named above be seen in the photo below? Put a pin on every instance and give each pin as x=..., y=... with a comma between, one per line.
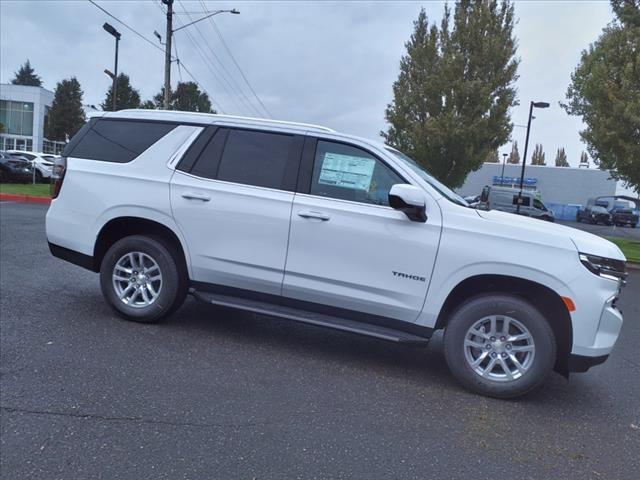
x=167, y=54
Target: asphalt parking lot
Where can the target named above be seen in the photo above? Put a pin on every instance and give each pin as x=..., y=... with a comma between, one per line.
x=216, y=394
x=606, y=230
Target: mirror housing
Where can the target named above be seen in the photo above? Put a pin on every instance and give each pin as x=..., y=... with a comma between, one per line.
x=410, y=200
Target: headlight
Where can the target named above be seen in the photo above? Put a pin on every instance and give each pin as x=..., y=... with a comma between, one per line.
x=604, y=267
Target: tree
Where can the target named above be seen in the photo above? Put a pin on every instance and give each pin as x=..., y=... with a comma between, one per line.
x=126, y=95
x=26, y=75
x=493, y=157
x=584, y=159
x=66, y=115
x=514, y=156
x=148, y=105
x=187, y=97
x=561, y=158
x=455, y=88
x=605, y=92
x=537, y=158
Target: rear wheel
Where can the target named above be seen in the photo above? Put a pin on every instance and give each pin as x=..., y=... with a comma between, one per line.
x=499, y=345
x=142, y=278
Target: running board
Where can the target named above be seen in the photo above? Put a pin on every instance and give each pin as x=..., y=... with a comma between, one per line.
x=311, y=318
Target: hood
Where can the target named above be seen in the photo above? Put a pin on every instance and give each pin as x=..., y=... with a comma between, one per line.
x=555, y=234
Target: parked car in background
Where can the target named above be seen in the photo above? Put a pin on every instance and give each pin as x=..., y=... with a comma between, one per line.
x=42, y=162
x=311, y=225
x=594, y=214
x=624, y=216
x=506, y=199
x=14, y=169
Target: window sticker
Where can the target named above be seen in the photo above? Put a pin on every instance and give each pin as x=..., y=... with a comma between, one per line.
x=347, y=171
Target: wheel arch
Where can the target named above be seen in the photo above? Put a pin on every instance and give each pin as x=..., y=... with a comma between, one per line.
x=120, y=227
x=546, y=300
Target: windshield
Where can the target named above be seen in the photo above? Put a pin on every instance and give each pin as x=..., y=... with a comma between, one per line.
x=427, y=177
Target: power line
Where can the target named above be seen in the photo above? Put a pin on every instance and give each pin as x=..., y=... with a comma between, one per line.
x=215, y=27
x=153, y=44
x=209, y=64
x=230, y=76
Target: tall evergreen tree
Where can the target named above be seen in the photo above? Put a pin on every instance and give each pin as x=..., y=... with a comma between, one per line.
x=514, y=155
x=66, y=115
x=456, y=85
x=605, y=92
x=149, y=105
x=561, y=158
x=584, y=159
x=126, y=95
x=187, y=97
x=537, y=158
x=26, y=75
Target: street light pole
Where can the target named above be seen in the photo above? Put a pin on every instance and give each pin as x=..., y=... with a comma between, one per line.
x=167, y=45
x=526, y=145
x=504, y=161
x=114, y=89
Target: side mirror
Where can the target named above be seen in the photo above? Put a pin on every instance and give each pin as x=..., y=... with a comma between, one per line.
x=410, y=200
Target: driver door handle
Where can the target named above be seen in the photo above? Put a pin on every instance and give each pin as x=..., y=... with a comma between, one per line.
x=313, y=214
x=196, y=196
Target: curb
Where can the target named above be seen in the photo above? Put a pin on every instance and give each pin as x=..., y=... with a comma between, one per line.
x=13, y=197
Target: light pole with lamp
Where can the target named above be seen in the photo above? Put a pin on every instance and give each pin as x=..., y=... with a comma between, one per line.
x=114, y=76
x=167, y=45
x=526, y=144
x=504, y=161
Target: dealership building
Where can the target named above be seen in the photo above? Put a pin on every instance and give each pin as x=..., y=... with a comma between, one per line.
x=562, y=189
x=24, y=111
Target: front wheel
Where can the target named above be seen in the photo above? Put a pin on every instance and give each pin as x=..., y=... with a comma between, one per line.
x=142, y=278
x=499, y=345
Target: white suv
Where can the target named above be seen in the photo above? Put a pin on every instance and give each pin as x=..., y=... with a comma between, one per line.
x=301, y=222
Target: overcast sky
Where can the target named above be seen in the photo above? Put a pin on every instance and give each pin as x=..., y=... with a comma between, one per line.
x=317, y=62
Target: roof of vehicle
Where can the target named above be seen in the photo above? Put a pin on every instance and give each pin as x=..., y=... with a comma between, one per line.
x=206, y=119
x=37, y=154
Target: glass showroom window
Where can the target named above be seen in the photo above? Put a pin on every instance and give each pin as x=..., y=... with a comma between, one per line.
x=17, y=117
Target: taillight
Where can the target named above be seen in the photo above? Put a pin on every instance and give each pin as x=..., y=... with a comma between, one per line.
x=57, y=176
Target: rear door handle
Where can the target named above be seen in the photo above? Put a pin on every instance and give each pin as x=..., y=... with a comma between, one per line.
x=312, y=214
x=196, y=196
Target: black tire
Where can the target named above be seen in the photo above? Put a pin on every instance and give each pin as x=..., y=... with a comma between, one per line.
x=634, y=225
x=3, y=176
x=174, y=286
x=480, y=307
x=39, y=177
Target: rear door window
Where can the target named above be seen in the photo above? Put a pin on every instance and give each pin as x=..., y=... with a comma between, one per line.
x=118, y=141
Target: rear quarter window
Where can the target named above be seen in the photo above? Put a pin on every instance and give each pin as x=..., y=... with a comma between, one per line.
x=118, y=141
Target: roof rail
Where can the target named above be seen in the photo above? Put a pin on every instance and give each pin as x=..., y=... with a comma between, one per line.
x=216, y=116
x=279, y=122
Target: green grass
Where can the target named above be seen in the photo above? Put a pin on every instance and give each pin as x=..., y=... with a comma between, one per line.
x=630, y=248
x=38, y=190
